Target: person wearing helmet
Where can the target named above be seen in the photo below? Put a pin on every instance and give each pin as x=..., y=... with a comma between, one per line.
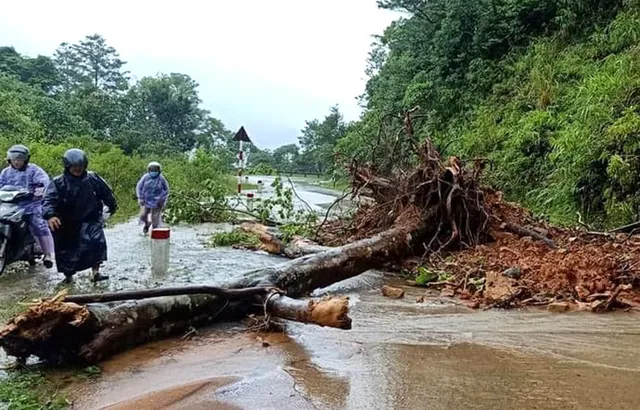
x=21, y=173
x=73, y=205
x=152, y=191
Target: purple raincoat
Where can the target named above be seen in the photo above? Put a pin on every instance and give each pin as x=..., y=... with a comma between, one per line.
x=35, y=180
x=153, y=192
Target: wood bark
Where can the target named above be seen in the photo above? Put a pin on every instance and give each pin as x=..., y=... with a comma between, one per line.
x=271, y=242
x=62, y=330
x=522, y=231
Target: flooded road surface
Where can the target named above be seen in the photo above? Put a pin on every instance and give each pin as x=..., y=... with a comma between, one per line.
x=129, y=263
x=399, y=354
x=307, y=196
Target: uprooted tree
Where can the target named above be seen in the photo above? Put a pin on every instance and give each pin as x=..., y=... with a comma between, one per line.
x=416, y=215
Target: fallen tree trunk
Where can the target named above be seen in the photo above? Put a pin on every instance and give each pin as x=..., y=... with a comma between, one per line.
x=62, y=330
x=271, y=242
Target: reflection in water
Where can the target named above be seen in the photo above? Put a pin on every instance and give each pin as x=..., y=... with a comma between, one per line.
x=324, y=387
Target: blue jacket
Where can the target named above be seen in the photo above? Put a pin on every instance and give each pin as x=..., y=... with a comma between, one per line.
x=33, y=178
x=153, y=192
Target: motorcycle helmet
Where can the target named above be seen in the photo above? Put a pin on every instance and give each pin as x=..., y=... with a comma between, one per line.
x=154, y=164
x=18, y=152
x=75, y=157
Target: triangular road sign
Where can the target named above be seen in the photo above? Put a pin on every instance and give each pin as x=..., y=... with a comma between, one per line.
x=241, y=135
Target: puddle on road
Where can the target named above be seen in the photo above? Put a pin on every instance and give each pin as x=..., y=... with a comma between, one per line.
x=399, y=355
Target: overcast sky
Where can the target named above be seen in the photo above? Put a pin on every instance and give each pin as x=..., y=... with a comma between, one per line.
x=267, y=65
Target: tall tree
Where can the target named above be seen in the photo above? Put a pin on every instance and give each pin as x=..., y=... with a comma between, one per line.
x=39, y=71
x=91, y=63
x=286, y=157
x=318, y=140
x=166, y=110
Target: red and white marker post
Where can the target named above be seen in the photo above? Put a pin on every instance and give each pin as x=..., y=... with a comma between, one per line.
x=160, y=243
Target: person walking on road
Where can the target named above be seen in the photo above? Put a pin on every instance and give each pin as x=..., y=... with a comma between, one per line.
x=73, y=207
x=21, y=173
x=152, y=191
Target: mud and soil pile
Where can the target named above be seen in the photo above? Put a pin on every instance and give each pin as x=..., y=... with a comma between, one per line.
x=486, y=250
x=582, y=271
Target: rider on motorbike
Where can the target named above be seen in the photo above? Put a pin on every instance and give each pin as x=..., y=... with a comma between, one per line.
x=21, y=173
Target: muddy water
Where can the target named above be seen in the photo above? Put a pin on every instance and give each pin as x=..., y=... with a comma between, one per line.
x=399, y=355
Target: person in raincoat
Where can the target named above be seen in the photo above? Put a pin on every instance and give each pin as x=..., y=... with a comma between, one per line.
x=73, y=207
x=152, y=191
x=21, y=173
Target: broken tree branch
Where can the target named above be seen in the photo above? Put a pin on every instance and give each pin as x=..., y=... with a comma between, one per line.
x=230, y=294
x=271, y=243
x=521, y=231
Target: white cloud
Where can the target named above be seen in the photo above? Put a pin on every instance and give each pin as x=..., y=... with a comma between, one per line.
x=268, y=65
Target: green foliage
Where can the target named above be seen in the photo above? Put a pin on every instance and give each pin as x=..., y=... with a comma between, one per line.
x=91, y=63
x=39, y=72
x=280, y=207
x=286, y=157
x=318, y=140
x=166, y=108
x=425, y=276
x=199, y=188
x=197, y=205
x=84, y=90
x=262, y=169
x=546, y=89
x=30, y=390
x=235, y=237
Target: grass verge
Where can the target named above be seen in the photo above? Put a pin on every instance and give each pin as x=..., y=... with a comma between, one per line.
x=235, y=237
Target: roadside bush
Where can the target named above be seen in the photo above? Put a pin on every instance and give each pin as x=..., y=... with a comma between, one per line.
x=200, y=177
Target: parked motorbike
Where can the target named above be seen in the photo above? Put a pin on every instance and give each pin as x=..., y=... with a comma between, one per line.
x=16, y=242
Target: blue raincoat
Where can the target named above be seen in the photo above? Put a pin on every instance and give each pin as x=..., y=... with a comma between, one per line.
x=35, y=180
x=152, y=192
x=78, y=202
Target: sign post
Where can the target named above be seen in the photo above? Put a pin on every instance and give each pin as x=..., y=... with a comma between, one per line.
x=242, y=137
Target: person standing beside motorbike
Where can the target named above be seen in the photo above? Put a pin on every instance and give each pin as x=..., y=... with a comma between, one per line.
x=152, y=191
x=73, y=205
x=21, y=173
